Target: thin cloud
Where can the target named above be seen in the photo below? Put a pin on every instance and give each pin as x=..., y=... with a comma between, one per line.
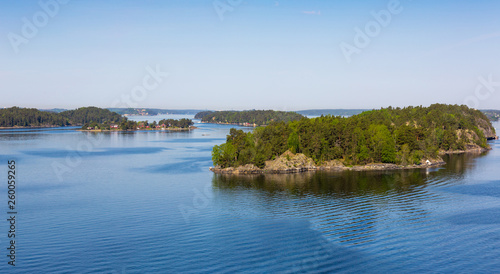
x=313, y=12
x=464, y=43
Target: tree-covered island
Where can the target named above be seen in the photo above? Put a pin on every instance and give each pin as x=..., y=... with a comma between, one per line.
x=30, y=117
x=89, y=118
x=165, y=124
x=248, y=117
x=388, y=138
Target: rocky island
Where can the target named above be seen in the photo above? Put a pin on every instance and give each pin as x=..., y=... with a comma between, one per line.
x=391, y=138
x=296, y=163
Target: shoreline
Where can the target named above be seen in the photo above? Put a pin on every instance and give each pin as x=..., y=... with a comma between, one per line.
x=336, y=165
x=235, y=124
x=244, y=170
x=28, y=127
x=121, y=130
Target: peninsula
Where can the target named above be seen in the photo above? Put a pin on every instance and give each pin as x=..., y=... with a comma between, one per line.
x=247, y=117
x=390, y=138
x=16, y=117
x=89, y=118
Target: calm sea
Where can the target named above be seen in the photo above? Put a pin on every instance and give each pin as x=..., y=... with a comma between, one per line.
x=145, y=202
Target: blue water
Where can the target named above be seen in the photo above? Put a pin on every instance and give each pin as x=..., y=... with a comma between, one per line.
x=145, y=202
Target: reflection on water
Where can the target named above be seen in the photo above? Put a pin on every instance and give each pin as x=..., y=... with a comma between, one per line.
x=350, y=183
x=390, y=213
x=326, y=183
x=125, y=193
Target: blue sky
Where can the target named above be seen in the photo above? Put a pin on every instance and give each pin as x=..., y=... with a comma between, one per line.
x=283, y=55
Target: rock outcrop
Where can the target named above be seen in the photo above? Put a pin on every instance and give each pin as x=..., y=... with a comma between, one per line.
x=487, y=129
x=289, y=162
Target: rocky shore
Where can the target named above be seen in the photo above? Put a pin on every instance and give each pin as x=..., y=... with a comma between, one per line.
x=297, y=163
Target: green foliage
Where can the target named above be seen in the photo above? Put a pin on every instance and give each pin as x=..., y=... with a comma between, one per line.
x=93, y=117
x=182, y=123
x=224, y=155
x=202, y=114
x=91, y=114
x=15, y=116
x=293, y=142
x=258, y=117
x=393, y=135
x=126, y=124
x=382, y=144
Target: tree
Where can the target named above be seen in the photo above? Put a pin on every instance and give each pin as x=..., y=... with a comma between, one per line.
x=392, y=135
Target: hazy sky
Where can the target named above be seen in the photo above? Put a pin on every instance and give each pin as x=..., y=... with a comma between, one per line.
x=232, y=54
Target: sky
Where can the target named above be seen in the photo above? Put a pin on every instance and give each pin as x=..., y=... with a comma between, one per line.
x=260, y=54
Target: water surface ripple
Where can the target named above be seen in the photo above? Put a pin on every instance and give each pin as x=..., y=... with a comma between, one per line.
x=145, y=202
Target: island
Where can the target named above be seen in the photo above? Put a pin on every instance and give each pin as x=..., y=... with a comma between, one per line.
x=89, y=118
x=388, y=138
x=16, y=117
x=152, y=111
x=127, y=125
x=248, y=117
x=492, y=114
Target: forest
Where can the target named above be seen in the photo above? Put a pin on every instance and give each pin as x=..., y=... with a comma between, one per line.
x=84, y=115
x=31, y=117
x=257, y=117
x=390, y=135
x=202, y=114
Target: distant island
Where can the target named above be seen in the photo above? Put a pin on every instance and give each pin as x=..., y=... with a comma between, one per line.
x=492, y=114
x=152, y=111
x=139, y=111
x=248, y=117
x=125, y=125
x=389, y=138
x=333, y=112
x=89, y=118
x=30, y=117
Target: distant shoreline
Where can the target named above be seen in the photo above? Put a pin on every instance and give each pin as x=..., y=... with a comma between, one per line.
x=97, y=130
x=27, y=127
x=142, y=129
x=234, y=124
